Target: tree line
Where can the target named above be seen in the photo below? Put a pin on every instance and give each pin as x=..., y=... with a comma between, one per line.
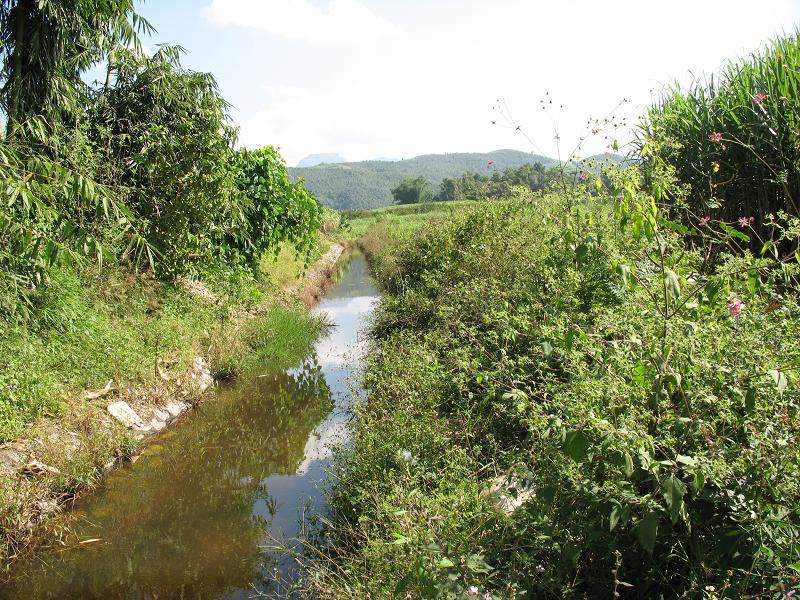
x=474, y=186
x=140, y=169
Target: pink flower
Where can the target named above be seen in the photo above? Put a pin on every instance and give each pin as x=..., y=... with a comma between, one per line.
x=583, y=177
x=745, y=222
x=759, y=97
x=704, y=221
x=735, y=307
x=715, y=136
x=539, y=569
x=472, y=590
x=487, y=596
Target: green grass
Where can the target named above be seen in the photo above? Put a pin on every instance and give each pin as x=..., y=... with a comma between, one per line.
x=89, y=326
x=404, y=218
x=507, y=336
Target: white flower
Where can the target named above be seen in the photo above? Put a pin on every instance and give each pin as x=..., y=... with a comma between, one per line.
x=472, y=590
x=405, y=456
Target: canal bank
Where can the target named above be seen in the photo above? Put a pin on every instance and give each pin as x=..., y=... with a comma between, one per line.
x=196, y=515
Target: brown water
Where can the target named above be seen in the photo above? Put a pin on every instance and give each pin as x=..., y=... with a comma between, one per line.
x=196, y=515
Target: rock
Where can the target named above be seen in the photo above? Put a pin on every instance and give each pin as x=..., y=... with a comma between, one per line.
x=156, y=424
x=512, y=489
x=94, y=395
x=38, y=468
x=203, y=374
x=197, y=289
x=162, y=415
x=174, y=408
x=123, y=413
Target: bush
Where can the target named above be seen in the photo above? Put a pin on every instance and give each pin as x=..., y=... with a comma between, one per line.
x=582, y=339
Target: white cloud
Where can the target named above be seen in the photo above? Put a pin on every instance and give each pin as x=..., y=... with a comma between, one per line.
x=344, y=21
x=432, y=88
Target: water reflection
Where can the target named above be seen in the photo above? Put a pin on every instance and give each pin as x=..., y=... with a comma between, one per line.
x=188, y=519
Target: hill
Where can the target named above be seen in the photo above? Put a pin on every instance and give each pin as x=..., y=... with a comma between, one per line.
x=368, y=184
x=312, y=160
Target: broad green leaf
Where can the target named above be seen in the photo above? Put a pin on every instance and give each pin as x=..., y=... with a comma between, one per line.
x=619, y=515
x=734, y=233
x=624, y=272
x=445, y=563
x=639, y=376
x=672, y=284
x=628, y=465
x=750, y=400
x=781, y=383
x=647, y=530
x=576, y=445
x=673, y=490
x=581, y=252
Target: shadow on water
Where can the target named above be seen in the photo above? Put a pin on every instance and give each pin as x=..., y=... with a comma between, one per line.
x=191, y=517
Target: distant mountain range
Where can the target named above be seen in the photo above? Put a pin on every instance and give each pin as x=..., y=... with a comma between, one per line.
x=368, y=184
x=312, y=160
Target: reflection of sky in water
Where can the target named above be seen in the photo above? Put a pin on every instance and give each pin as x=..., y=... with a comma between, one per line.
x=348, y=308
x=191, y=517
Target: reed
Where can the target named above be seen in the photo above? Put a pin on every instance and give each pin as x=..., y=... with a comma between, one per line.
x=734, y=138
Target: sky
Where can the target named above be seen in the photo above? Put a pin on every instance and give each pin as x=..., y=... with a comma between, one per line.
x=400, y=78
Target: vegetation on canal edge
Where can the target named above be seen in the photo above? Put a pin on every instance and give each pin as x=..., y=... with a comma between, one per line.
x=114, y=194
x=590, y=394
x=651, y=403
x=141, y=334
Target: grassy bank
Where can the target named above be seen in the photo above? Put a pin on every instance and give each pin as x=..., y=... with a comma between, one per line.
x=569, y=398
x=89, y=326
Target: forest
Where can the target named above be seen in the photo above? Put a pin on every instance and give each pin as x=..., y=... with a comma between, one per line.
x=368, y=184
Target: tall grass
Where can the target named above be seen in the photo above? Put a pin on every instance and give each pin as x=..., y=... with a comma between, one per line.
x=734, y=138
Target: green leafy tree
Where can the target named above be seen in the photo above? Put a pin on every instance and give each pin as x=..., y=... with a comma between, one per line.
x=269, y=210
x=48, y=44
x=412, y=191
x=166, y=140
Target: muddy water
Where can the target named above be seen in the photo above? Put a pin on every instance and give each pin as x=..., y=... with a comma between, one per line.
x=194, y=516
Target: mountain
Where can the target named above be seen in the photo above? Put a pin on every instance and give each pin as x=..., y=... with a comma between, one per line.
x=368, y=184
x=312, y=160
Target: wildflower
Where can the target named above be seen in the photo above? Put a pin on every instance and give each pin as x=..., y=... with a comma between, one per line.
x=715, y=136
x=406, y=456
x=791, y=594
x=472, y=590
x=745, y=222
x=487, y=596
x=583, y=177
x=704, y=221
x=735, y=307
x=759, y=97
x=539, y=569
x=724, y=146
x=715, y=167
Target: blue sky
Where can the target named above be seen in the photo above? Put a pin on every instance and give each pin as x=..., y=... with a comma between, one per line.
x=399, y=78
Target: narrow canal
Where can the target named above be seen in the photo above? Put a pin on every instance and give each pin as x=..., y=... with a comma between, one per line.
x=197, y=514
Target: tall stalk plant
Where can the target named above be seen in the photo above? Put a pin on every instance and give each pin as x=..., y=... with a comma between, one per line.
x=733, y=138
